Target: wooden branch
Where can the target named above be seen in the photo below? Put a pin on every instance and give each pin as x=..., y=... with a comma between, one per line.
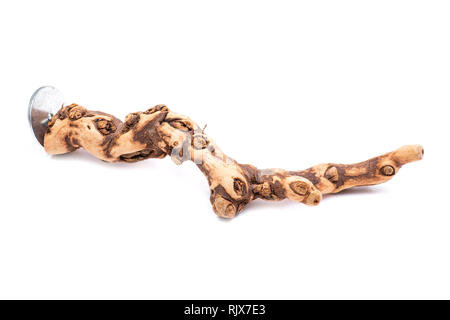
x=158, y=132
x=333, y=178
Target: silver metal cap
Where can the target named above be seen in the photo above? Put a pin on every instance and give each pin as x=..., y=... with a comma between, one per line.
x=44, y=103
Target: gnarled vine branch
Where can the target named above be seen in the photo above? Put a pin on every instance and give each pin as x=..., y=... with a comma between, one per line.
x=158, y=132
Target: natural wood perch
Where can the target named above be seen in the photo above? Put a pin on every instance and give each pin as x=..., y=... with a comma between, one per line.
x=158, y=132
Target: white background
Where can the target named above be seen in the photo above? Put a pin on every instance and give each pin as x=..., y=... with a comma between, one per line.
x=284, y=84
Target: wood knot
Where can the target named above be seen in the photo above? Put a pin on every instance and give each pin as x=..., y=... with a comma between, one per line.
x=263, y=189
x=223, y=207
x=313, y=198
x=159, y=107
x=199, y=141
x=332, y=174
x=239, y=187
x=105, y=126
x=387, y=170
x=299, y=187
x=76, y=112
x=131, y=119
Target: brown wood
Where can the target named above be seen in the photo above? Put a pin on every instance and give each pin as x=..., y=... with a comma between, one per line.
x=159, y=132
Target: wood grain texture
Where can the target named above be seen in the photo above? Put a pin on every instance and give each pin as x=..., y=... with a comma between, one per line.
x=159, y=132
